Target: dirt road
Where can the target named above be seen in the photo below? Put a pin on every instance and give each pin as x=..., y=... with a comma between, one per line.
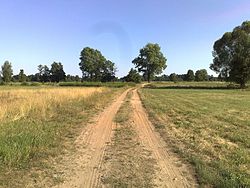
x=168, y=174
x=83, y=170
x=91, y=146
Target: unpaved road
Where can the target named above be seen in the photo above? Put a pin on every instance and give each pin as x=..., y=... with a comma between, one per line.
x=168, y=174
x=83, y=170
x=91, y=146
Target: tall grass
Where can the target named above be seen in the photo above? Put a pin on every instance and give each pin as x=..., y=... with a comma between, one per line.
x=23, y=103
x=36, y=124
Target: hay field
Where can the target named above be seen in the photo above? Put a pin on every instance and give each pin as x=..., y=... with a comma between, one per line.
x=210, y=128
x=24, y=103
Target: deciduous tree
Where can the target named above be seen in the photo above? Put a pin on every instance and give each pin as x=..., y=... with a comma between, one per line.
x=44, y=73
x=95, y=67
x=133, y=76
x=57, y=72
x=21, y=76
x=7, y=71
x=232, y=55
x=190, y=76
x=150, y=61
x=201, y=75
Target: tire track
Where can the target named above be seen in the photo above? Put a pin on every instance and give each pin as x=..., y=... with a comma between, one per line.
x=168, y=174
x=91, y=146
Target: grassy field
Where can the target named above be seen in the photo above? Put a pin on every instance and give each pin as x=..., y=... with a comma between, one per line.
x=36, y=124
x=193, y=85
x=209, y=128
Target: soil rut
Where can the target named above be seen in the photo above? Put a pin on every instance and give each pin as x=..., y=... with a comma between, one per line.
x=84, y=169
x=91, y=146
x=168, y=174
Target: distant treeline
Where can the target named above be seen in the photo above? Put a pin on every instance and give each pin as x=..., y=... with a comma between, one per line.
x=199, y=76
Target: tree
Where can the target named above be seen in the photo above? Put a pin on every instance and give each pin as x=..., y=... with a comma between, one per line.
x=44, y=73
x=57, y=72
x=201, y=75
x=190, y=76
x=150, y=61
x=21, y=76
x=7, y=71
x=108, y=71
x=173, y=77
x=133, y=76
x=95, y=67
x=232, y=55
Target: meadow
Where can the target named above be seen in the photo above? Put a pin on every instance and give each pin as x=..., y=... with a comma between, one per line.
x=207, y=127
x=36, y=124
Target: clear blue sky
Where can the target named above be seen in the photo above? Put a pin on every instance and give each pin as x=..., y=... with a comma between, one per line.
x=34, y=32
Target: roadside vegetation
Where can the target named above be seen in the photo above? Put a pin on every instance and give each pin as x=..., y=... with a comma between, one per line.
x=98, y=84
x=209, y=128
x=37, y=123
x=126, y=162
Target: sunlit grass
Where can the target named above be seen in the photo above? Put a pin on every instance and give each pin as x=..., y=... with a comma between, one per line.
x=20, y=103
x=40, y=123
x=209, y=127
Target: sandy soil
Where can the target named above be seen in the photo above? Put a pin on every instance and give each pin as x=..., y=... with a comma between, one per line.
x=83, y=170
x=171, y=171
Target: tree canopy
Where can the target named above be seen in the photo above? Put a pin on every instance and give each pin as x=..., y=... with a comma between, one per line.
x=95, y=67
x=57, y=72
x=190, y=76
x=232, y=55
x=44, y=73
x=21, y=76
x=201, y=75
x=150, y=61
x=7, y=71
x=133, y=76
x=173, y=77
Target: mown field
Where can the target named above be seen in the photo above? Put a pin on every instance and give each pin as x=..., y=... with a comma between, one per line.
x=208, y=127
x=38, y=123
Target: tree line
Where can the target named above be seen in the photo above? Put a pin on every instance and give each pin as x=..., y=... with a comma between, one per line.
x=231, y=61
x=45, y=74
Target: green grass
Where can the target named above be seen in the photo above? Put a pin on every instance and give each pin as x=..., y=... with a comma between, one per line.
x=127, y=163
x=209, y=128
x=33, y=143
x=193, y=85
x=97, y=84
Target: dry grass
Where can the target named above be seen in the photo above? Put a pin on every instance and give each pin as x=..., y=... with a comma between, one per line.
x=20, y=103
x=39, y=124
x=208, y=127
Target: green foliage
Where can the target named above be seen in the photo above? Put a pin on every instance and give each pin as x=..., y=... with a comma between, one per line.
x=201, y=75
x=44, y=73
x=22, y=77
x=95, y=67
x=97, y=84
x=232, y=55
x=57, y=72
x=190, y=76
x=7, y=71
x=150, y=61
x=173, y=77
x=133, y=76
